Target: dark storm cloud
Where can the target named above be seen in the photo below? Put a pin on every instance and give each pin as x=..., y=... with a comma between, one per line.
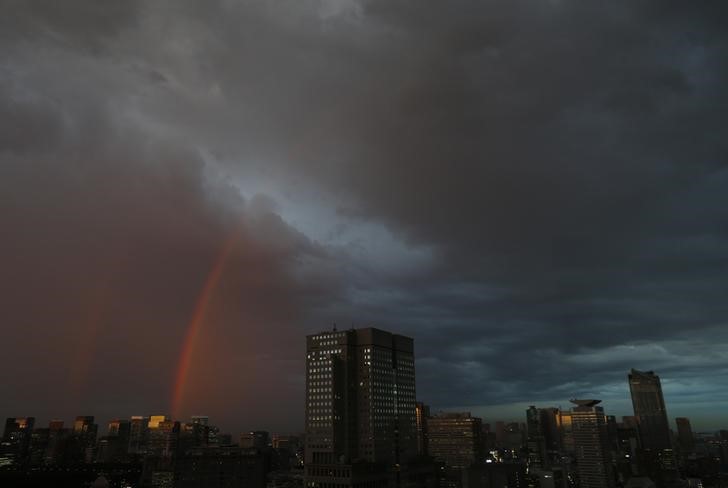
x=110, y=231
x=534, y=190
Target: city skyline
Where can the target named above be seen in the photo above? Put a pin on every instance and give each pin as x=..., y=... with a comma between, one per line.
x=673, y=422
x=365, y=429
x=535, y=190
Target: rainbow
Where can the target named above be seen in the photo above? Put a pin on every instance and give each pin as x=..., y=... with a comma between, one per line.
x=196, y=322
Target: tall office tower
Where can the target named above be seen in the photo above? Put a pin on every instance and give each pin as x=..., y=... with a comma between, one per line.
x=591, y=443
x=80, y=447
x=422, y=413
x=360, y=405
x=649, y=408
x=114, y=446
x=685, y=435
x=138, y=434
x=536, y=439
x=455, y=439
x=543, y=436
x=196, y=433
x=57, y=437
x=163, y=436
x=567, y=432
x=628, y=442
x=15, y=444
x=514, y=436
x=38, y=446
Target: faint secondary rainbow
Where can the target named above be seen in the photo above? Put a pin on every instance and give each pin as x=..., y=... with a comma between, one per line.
x=198, y=319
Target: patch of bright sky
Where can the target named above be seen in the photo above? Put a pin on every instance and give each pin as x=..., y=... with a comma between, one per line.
x=369, y=244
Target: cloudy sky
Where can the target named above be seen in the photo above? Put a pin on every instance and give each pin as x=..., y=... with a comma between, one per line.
x=536, y=191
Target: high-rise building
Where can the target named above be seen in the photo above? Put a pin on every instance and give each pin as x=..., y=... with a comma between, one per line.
x=138, y=434
x=544, y=438
x=591, y=444
x=163, y=437
x=38, y=446
x=79, y=448
x=656, y=457
x=685, y=435
x=15, y=443
x=649, y=408
x=455, y=439
x=567, y=432
x=57, y=439
x=422, y=413
x=627, y=449
x=114, y=446
x=360, y=407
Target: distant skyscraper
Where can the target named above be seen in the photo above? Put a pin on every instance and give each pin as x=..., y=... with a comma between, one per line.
x=163, y=437
x=114, y=446
x=649, y=408
x=83, y=442
x=544, y=438
x=685, y=435
x=360, y=404
x=57, y=436
x=15, y=444
x=566, y=427
x=591, y=444
x=422, y=413
x=455, y=439
x=139, y=434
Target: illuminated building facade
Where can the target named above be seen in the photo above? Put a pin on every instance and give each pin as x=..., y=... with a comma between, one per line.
x=360, y=407
x=455, y=439
x=591, y=445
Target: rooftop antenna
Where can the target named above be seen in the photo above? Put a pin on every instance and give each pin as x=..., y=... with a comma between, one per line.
x=334, y=326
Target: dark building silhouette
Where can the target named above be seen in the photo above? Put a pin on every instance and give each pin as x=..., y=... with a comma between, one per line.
x=649, y=408
x=114, y=446
x=656, y=457
x=38, y=446
x=138, y=434
x=454, y=439
x=422, y=413
x=57, y=440
x=544, y=437
x=257, y=439
x=163, y=435
x=79, y=447
x=685, y=435
x=627, y=449
x=220, y=467
x=15, y=444
x=360, y=407
x=496, y=475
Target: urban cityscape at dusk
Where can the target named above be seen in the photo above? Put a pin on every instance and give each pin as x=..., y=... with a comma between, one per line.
x=365, y=428
x=364, y=243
